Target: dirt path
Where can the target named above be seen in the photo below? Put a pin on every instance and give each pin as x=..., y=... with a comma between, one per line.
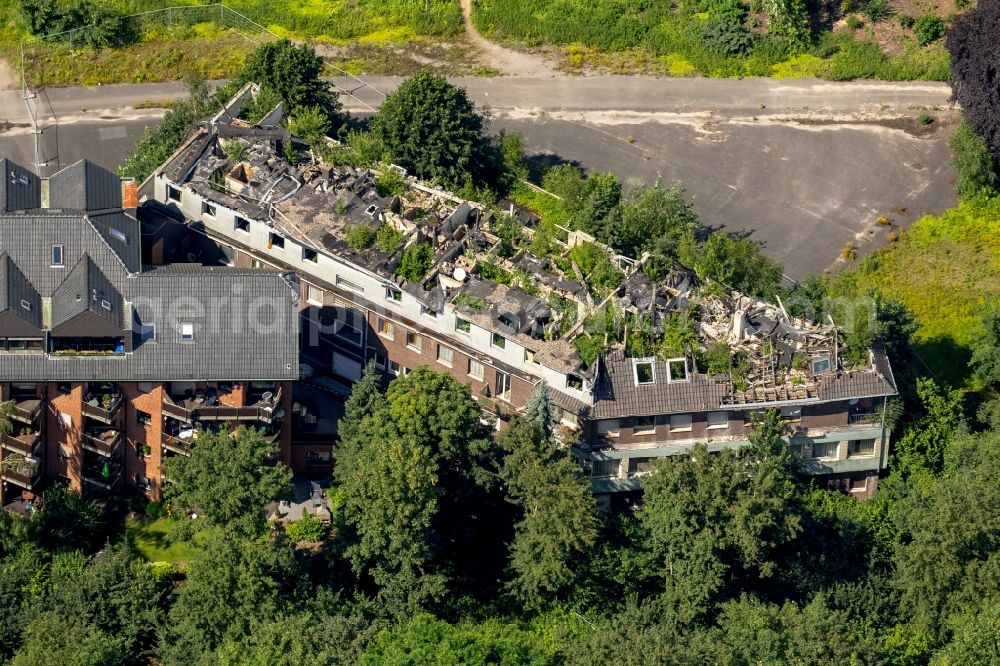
x=9, y=78
x=511, y=63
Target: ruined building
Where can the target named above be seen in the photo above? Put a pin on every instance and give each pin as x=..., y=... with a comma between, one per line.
x=394, y=271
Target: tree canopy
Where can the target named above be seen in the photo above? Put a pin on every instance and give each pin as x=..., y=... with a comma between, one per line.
x=971, y=41
x=433, y=129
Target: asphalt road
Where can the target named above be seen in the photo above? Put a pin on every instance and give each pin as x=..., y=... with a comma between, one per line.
x=803, y=166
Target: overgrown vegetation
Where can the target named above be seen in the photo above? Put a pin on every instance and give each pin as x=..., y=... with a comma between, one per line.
x=719, y=37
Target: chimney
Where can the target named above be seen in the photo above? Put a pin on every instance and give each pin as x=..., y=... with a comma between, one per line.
x=130, y=194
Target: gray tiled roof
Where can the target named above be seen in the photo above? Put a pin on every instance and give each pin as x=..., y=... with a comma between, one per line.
x=85, y=186
x=616, y=394
x=15, y=291
x=245, y=320
x=86, y=290
x=20, y=189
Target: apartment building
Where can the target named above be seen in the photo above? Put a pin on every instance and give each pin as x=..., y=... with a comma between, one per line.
x=500, y=318
x=112, y=366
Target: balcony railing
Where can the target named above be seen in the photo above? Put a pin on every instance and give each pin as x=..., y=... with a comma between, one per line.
x=499, y=408
x=27, y=410
x=177, y=445
x=867, y=417
x=22, y=479
x=23, y=444
x=103, y=443
x=95, y=476
x=105, y=412
x=193, y=410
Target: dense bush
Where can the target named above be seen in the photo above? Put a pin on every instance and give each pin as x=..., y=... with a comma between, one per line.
x=928, y=28
x=972, y=43
x=876, y=10
x=92, y=24
x=977, y=175
x=415, y=262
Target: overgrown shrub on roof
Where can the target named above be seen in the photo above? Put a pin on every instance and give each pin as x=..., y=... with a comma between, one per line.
x=415, y=262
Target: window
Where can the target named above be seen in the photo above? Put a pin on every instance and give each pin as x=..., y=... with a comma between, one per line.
x=187, y=332
x=276, y=240
x=791, y=413
x=310, y=255
x=349, y=324
x=859, y=484
x=347, y=284
x=574, y=382
x=173, y=193
x=644, y=371
x=57, y=256
x=644, y=425
x=207, y=209
x=242, y=224
x=144, y=418
x=529, y=356
x=820, y=365
x=462, y=325
x=476, y=369
x=26, y=305
x=413, y=341
x=147, y=332
x=314, y=295
x=606, y=467
x=825, y=450
x=393, y=294
x=64, y=387
x=608, y=428
x=718, y=420
x=861, y=447
x=499, y=341
x=65, y=451
x=317, y=457
x=680, y=423
x=380, y=361
x=503, y=386
x=677, y=370
x=394, y=368
x=144, y=387
x=446, y=355
x=386, y=328
x=106, y=305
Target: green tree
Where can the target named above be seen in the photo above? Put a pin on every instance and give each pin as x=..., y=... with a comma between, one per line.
x=415, y=262
x=295, y=73
x=405, y=470
x=6, y=412
x=67, y=520
x=946, y=564
x=427, y=640
x=228, y=478
x=598, y=209
x=433, y=129
x=985, y=361
x=53, y=639
x=366, y=398
x=718, y=517
x=235, y=584
x=735, y=262
x=558, y=512
x=922, y=447
x=976, y=643
x=541, y=411
x=657, y=219
x=970, y=155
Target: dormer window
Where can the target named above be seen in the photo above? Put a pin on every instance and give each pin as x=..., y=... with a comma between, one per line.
x=173, y=193
x=187, y=332
x=119, y=236
x=57, y=256
x=677, y=370
x=644, y=371
x=393, y=294
x=498, y=341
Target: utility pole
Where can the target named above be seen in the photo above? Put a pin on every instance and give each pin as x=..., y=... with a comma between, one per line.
x=28, y=97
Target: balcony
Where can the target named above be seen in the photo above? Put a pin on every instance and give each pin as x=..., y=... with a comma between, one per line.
x=206, y=407
x=26, y=443
x=103, y=475
x=27, y=411
x=499, y=408
x=865, y=417
x=25, y=475
x=177, y=445
x=103, y=442
x=104, y=409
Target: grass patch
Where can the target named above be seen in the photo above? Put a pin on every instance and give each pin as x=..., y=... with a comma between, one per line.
x=946, y=269
x=148, y=538
x=549, y=208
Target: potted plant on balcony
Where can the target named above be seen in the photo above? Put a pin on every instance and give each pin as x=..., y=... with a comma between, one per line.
x=145, y=451
x=106, y=401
